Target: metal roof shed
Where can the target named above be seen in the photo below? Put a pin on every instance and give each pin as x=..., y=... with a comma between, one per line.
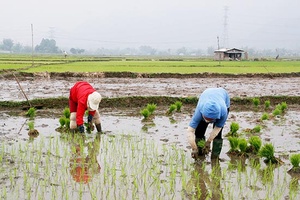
x=228, y=54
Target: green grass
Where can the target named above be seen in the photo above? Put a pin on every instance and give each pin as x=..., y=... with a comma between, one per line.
x=185, y=67
x=5, y=66
x=57, y=63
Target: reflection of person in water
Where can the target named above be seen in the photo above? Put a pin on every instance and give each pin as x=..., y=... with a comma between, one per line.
x=202, y=185
x=83, y=166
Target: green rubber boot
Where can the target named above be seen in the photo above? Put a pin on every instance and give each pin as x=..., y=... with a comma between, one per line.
x=216, y=148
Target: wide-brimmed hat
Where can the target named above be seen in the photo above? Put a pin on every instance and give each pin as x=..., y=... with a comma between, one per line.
x=93, y=100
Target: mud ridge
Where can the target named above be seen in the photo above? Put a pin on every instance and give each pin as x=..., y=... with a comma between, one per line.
x=237, y=103
x=9, y=74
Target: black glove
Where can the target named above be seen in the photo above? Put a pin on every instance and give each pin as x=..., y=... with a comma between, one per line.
x=81, y=128
x=90, y=118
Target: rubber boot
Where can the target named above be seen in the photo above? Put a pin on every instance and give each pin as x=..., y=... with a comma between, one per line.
x=216, y=148
x=98, y=127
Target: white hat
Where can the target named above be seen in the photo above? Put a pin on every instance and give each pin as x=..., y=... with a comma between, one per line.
x=94, y=100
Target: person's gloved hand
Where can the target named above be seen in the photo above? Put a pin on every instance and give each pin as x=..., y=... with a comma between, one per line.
x=194, y=154
x=90, y=123
x=81, y=128
x=90, y=118
x=206, y=148
x=191, y=139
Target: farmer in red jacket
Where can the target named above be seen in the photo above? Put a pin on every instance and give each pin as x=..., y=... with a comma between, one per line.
x=84, y=97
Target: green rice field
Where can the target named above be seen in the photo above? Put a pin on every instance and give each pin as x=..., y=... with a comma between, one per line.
x=145, y=65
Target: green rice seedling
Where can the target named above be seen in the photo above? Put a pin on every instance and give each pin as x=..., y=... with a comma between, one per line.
x=265, y=116
x=146, y=113
x=67, y=113
x=283, y=106
x=234, y=144
x=295, y=160
x=32, y=132
x=31, y=125
x=279, y=107
x=67, y=123
x=178, y=106
x=62, y=121
x=242, y=144
x=171, y=109
x=256, y=102
x=31, y=112
x=255, y=144
x=201, y=143
x=267, y=151
x=276, y=111
x=256, y=129
x=87, y=127
x=267, y=104
x=234, y=127
x=151, y=108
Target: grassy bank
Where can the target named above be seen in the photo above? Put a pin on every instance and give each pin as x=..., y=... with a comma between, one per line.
x=139, y=101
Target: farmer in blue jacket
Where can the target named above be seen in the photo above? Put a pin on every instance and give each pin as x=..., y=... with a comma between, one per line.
x=213, y=107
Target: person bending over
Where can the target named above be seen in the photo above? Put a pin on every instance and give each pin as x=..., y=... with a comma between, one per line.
x=84, y=97
x=212, y=107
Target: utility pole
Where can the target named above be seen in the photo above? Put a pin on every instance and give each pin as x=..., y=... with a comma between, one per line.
x=32, y=44
x=218, y=50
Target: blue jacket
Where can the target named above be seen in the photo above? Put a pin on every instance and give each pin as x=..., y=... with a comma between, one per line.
x=213, y=103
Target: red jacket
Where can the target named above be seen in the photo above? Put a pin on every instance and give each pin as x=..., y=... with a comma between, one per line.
x=78, y=100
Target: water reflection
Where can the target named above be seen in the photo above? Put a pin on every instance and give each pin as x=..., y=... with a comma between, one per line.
x=205, y=185
x=83, y=162
x=147, y=124
x=237, y=163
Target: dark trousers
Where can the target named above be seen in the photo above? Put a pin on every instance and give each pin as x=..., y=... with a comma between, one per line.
x=217, y=142
x=201, y=129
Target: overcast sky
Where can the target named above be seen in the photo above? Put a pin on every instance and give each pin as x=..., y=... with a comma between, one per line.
x=162, y=24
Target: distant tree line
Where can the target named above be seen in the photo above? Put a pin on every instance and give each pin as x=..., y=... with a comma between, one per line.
x=49, y=46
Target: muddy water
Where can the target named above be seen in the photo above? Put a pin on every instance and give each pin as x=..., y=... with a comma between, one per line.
x=282, y=131
x=238, y=178
x=40, y=87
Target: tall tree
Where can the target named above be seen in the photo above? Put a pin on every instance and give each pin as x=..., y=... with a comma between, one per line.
x=47, y=46
x=7, y=44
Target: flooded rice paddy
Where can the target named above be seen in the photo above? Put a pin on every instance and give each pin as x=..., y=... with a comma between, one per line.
x=137, y=159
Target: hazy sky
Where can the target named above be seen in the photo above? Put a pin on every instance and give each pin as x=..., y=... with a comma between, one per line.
x=162, y=24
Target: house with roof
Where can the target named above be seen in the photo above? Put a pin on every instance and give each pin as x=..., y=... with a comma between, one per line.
x=228, y=54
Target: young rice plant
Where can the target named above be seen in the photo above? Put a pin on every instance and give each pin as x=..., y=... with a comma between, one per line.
x=234, y=127
x=31, y=112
